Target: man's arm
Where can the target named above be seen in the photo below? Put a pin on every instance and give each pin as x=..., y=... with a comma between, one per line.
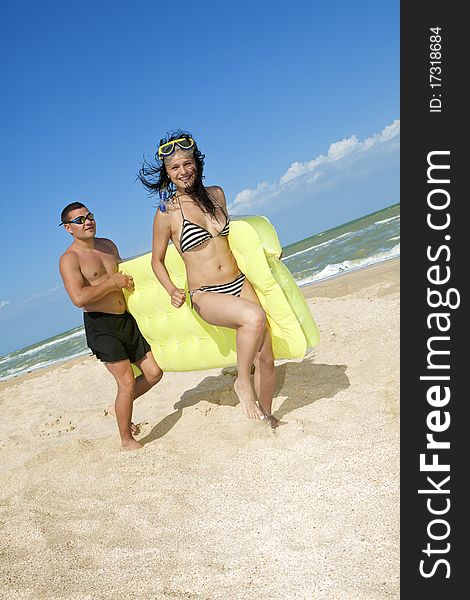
x=80, y=292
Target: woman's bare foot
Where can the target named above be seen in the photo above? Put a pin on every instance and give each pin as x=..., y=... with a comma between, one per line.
x=135, y=429
x=248, y=404
x=131, y=444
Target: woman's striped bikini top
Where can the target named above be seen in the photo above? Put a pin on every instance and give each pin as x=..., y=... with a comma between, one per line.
x=193, y=235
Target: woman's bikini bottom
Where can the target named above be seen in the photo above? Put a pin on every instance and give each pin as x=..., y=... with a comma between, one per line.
x=233, y=288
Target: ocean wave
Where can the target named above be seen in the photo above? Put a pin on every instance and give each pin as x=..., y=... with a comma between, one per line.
x=16, y=371
x=349, y=265
x=375, y=225
x=348, y=234
x=316, y=246
x=397, y=217
x=40, y=347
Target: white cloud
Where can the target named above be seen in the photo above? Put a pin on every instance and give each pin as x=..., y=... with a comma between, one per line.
x=248, y=197
x=341, y=149
x=44, y=293
x=298, y=168
x=313, y=169
x=34, y=302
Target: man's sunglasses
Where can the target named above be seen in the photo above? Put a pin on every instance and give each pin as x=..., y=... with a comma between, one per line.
x=168, y=148
x=80, y=220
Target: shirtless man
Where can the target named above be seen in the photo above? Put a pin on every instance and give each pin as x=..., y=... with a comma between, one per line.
x=89, y=269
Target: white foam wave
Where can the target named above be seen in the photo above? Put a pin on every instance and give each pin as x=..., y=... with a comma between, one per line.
x=373, y=226
x=40, y=348
x=350, y=265
x=396, y=217
x=344, y=235
x=327, y=243
x=15, y=371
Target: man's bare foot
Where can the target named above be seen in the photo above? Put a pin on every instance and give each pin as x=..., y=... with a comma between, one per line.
x=247, y=402
x=135, y=429
x=273, y=422
x=131, y=444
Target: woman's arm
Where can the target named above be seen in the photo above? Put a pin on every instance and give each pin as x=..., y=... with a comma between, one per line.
x=161, y=237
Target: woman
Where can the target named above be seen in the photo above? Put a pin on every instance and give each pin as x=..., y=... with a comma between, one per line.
x=197, y=222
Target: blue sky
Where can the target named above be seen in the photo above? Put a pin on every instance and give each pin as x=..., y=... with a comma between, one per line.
x=296, y=105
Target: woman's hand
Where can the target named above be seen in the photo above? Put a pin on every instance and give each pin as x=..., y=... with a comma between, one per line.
x=178, y=297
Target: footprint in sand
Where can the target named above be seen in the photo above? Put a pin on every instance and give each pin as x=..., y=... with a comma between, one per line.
x=55, y=423
x=136, y=428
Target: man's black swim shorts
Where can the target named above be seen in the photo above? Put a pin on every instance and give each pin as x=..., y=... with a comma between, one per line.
x=114, y=337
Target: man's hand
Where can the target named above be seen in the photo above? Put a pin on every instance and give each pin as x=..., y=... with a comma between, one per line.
x=121, y=280
x=178, y=297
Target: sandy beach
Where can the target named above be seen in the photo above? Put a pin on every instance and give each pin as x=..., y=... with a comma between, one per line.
x=214, y=507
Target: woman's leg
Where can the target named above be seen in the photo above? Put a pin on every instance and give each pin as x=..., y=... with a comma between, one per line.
x=248, y=318
x=265, y=376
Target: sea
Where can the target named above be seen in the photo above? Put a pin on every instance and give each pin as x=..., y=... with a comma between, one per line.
x=368, y=240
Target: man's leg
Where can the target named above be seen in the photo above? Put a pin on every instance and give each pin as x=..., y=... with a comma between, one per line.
x=124, y=376
x=151, y=374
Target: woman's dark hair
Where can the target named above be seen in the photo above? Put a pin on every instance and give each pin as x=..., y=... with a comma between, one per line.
x=155, y=178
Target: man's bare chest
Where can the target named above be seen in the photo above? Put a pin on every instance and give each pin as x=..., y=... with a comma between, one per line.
x=97, y=266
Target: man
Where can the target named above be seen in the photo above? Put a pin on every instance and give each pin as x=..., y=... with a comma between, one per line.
x=89, y=269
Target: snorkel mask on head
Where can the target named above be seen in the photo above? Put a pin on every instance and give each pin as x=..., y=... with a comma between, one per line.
x=167, y=149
